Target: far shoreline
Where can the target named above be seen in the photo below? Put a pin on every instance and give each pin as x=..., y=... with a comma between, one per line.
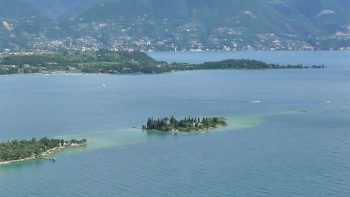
x=150, y=74
x=125, y=63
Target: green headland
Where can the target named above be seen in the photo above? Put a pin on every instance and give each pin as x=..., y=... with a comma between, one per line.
x=15, y=151
x=114, y=62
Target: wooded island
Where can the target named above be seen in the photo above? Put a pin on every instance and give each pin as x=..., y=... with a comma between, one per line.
x=186, y=125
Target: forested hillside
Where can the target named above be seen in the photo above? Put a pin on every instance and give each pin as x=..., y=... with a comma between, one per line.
x=175, y=24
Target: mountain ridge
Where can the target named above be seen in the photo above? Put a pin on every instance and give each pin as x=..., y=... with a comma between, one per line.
x=182, y=24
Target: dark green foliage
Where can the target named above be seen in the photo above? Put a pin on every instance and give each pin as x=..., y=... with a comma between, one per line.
x=244, y=64
x=20, y=149
x=76, y=61
x=186, y=125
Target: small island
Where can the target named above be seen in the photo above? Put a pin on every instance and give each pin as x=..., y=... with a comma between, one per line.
x=186, y=125
x=15, y=151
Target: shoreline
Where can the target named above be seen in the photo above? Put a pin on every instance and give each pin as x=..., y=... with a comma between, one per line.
x=170, y=72
x=185, y=131
x=42, y=155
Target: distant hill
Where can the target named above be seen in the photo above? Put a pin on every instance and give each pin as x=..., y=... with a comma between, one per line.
x=254, y=16
x=16, y=9
x=182, y=24
x=63, y=9
x=4, y=38
x=325, y=16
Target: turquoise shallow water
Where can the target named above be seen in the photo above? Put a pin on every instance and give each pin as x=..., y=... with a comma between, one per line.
x=270, y=149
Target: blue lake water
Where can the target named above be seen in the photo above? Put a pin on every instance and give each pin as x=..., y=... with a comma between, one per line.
x=269, y=149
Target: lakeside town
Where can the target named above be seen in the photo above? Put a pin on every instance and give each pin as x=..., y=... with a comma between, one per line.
x=187, y=37
x=267, y=42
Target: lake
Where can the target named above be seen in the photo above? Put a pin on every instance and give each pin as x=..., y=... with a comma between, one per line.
x=269, y=148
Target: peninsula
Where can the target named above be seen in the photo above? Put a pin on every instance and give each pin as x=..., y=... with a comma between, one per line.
x=189, y=124
x=115, y=62
x=15, y=151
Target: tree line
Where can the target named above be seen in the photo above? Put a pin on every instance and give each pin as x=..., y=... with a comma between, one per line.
x=20, y=149
x=186, y=124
